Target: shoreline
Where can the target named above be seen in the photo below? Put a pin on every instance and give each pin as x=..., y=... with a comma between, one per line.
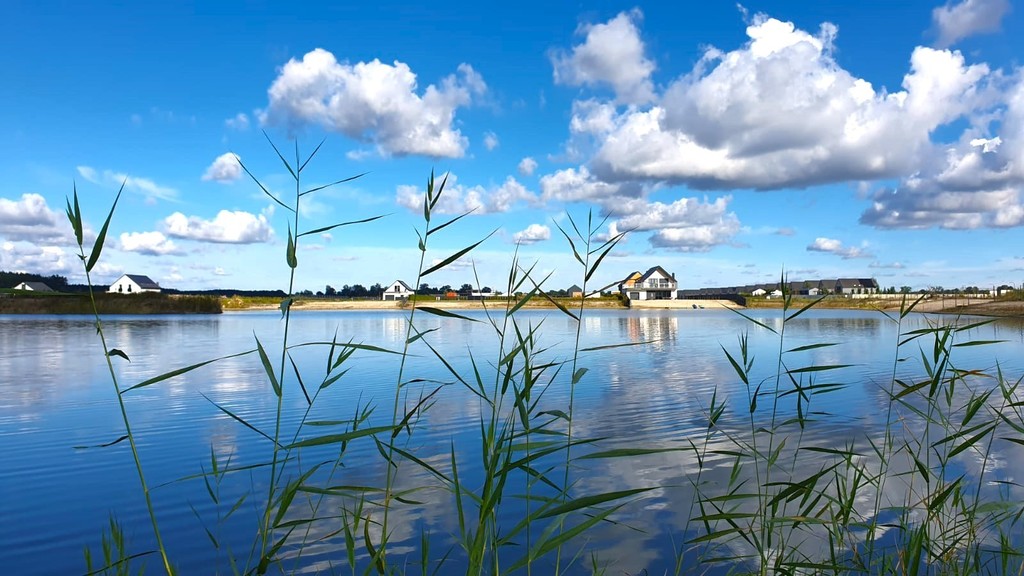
x=949, y=306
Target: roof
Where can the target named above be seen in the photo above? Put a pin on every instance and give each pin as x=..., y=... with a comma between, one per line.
x=656, y=269
x=856, y=283
x=574, y=288
x=142, y=281
x=404, y=285
x=37, y=286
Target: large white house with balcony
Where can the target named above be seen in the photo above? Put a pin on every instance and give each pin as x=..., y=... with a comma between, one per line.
x=655, y=284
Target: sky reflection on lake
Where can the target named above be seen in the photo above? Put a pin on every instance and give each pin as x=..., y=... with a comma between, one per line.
x=55, y=394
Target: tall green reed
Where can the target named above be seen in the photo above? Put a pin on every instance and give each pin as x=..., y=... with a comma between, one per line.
x=898, y=501
x=74, y=215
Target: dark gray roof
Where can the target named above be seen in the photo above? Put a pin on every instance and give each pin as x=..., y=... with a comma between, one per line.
x=143, y=281
x=574, y=288
x=37, y=286
x=404, y=285
x=654, y=269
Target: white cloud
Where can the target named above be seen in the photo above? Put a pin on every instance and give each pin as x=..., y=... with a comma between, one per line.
x=594, y=117
x=491, y=140
x=833, y=246
x=976, y=182
x=527, y=166
x=135, y=184
x=374, y=102
x=149, y=243
x=887, y=266
x=458, y=199
x=780, y=112
x=967, y=18
x=30, y=219
x=226, y=228
x=575, y=185
x=225, y=168
x=611, y=54
x=687, y=224
x=239, y=122
x=29, y=257
x=532, y=234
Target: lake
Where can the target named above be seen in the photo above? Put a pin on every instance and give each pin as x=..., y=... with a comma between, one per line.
x=56, y=397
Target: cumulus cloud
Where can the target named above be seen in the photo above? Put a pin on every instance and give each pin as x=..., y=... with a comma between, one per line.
x=976, y=182
x=578, y=184
x=491, y=140
x=226, y=228
x=30, y=219
x=833, y=246
x=967, y=18
x=225, y=168
x=373, y=102
x=459, y=199
x=687, y=225
x=780, y=112
x=148, y=243
x=594, y=117
x=611, y=54
x=238, y=122
x=532, y=234
x=527, y=166
x=144, y=186
x=29, y=257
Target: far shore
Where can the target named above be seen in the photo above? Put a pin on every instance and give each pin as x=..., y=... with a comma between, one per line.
x=939, y=305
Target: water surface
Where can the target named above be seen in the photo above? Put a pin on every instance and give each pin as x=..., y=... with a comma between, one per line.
x=56, y=394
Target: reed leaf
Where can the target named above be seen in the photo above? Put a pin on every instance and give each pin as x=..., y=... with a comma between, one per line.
x=97, y=247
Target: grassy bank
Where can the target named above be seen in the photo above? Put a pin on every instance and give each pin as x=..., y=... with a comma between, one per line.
x=109, y=304
x=994, y=307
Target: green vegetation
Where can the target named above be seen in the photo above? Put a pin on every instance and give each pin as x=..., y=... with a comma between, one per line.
x=898, y=502
x=149, y=303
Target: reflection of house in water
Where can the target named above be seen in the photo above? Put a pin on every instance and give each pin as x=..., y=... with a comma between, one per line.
x=393, y=327
x=645, y=328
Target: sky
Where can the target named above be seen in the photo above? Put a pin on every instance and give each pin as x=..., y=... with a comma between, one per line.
x=731, y=143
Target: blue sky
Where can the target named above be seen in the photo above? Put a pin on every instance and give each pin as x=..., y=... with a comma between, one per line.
x=734, y=141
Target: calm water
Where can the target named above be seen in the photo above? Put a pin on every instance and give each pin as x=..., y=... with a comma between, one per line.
x=55, y=394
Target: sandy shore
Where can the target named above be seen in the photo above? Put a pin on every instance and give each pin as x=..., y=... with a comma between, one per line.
x=930, y=305
x=301, y=305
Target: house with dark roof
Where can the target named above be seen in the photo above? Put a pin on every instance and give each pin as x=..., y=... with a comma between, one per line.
x=133, y=284
x=848, y=286
x=574, y=291
x=655, y=284
x=34, y=287
x=397, y=290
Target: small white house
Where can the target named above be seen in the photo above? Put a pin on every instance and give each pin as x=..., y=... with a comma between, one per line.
x=133, y=284
x=34, y=287
x=758, y=292
x=397, y=290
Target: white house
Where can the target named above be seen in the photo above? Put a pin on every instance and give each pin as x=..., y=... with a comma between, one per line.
x=397, y=290
x=655, y=284
x=758, y=292
x=33, y=287
x=133, y=284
